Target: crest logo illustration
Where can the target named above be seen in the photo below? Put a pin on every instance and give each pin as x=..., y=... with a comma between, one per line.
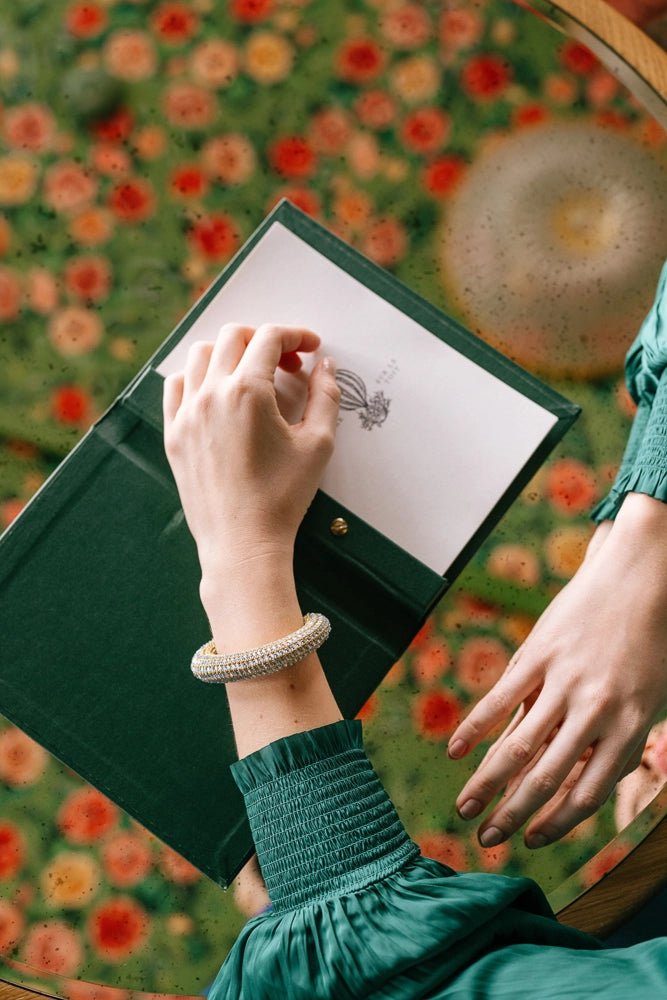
x=372, y=412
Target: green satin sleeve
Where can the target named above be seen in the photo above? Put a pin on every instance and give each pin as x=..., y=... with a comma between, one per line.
x=644, y=465
x=359, y=913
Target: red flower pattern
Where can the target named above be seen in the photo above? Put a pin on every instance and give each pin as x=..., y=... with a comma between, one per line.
x=485, y=77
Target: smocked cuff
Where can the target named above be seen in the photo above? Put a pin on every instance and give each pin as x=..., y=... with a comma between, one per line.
x=321, y=821
x=609, y=507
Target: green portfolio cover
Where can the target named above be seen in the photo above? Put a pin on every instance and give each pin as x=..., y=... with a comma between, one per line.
x=99, y=605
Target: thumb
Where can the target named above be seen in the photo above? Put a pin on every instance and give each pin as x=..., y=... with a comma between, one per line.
x=321, y=412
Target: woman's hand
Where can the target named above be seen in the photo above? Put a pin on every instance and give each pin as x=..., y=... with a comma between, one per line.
x=245, y=476
x=588, y=684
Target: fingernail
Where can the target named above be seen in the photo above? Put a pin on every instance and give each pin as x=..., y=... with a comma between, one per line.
x=470, y=809
x=491, y=837
x=536, y=840
x=457, y=749
x=329, y=365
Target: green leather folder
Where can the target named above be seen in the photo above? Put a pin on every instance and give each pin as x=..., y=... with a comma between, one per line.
x=99, y=605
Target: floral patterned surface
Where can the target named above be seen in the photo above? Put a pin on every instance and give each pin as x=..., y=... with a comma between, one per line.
x=140, y=144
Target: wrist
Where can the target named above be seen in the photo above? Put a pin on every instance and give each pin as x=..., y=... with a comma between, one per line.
x=643, y=517
x=251, y=602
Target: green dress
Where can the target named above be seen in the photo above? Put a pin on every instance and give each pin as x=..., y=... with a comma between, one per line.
x=358, y=912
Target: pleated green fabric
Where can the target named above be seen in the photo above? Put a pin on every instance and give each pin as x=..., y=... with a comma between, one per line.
x=644, y=465
x=359, y=913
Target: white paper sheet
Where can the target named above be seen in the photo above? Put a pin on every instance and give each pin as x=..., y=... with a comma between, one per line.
x=454, y=436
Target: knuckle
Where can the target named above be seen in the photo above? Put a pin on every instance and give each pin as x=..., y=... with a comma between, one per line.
x=544, y=784
x=518, y=749
x=588, y=798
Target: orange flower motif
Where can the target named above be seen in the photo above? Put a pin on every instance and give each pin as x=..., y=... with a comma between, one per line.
x=229, y=159
x=150, y=142
x=443, y=847
x=460, y=29
x=360, y=60
x=12, y=926
x=486, y=77
x=442, y=176
x=268, y=57
x=132, y=200
x=436, y=714
x=560, y=89
x=215, y=63
x=480, y=663
x=188, y=181
x=431, y=661
x=53, y=946
x=92, y=227
x=18, y=179
x=70, y=880
x=29, y=127
x=188, y=105
x=214, y=236
x=530, y=114
x=12, y=850
x=406, y=27
x=110, y=160
x=416, y=79
x=385, y=242
x=86, y=816
x=174, y=23
x=330, y=130
x=578, y=58
x=426, y=130
x=127, y=860
x=363, y=155
x=129, y=54
x=10, y=294
x=68, y=187
x=571, y=488
x=10, y=509
x=74, y=331
x=565, y=548
x=292, y=156
x=375, y=109
x=88, y=278
x=514, y=562
x=85, y=19
x=22, y=761
x=353, y=209
x=176, y=868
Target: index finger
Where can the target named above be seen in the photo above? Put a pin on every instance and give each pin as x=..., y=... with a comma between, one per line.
x=268, y=345
x=497, y=705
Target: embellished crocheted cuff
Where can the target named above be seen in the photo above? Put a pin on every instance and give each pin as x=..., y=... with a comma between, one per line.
x=322, y=823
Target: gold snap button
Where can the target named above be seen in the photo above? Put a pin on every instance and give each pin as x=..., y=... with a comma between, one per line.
x=338, y=526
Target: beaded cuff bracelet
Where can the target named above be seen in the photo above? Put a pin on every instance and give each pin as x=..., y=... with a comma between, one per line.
x=210, y=666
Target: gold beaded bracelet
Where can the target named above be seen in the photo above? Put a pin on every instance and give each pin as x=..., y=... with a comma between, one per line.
x=207, y=665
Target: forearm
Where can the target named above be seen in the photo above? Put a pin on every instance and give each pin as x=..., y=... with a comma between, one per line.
x=248, y=605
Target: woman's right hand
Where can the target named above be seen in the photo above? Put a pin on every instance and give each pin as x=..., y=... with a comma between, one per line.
x=245, y=476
